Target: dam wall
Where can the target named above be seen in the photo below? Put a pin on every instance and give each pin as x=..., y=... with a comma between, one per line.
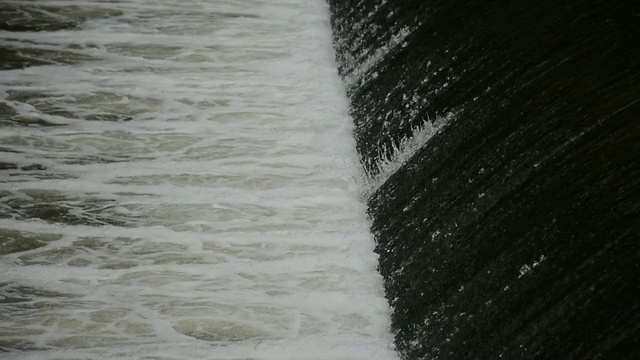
x=502, y=143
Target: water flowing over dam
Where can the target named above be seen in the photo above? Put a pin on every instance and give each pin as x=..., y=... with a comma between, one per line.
x=301, y=179
x=502, y=143
x=179, y=180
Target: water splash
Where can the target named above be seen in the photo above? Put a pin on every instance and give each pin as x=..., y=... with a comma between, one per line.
x=392, y=159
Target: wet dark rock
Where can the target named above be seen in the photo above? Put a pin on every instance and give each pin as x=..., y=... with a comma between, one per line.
x=513, y=232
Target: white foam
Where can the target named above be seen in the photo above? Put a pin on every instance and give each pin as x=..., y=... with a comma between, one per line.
x=199, y=195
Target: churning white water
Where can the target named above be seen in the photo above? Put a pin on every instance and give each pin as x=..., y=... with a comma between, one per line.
x=179, y=181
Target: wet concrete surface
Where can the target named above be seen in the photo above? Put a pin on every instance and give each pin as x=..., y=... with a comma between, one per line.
x=513, y=232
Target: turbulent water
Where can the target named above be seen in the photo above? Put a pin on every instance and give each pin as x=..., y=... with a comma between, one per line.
x=178, y=180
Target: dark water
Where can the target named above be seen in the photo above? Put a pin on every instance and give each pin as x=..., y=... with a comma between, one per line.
x=513, y=232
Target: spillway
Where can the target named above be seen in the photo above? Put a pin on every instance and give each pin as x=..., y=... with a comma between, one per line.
x=501, y=142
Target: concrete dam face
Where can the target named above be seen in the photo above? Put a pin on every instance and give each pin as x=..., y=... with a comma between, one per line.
x=501, y=141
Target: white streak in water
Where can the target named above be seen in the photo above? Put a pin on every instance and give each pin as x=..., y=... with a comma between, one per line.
x=391, y=160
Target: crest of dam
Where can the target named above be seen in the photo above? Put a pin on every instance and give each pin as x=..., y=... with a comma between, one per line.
x=502, y=143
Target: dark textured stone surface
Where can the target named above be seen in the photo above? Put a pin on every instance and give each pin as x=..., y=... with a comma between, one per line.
x=513, y=232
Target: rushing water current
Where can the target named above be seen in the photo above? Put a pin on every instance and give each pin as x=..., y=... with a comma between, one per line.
x=178, y=180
